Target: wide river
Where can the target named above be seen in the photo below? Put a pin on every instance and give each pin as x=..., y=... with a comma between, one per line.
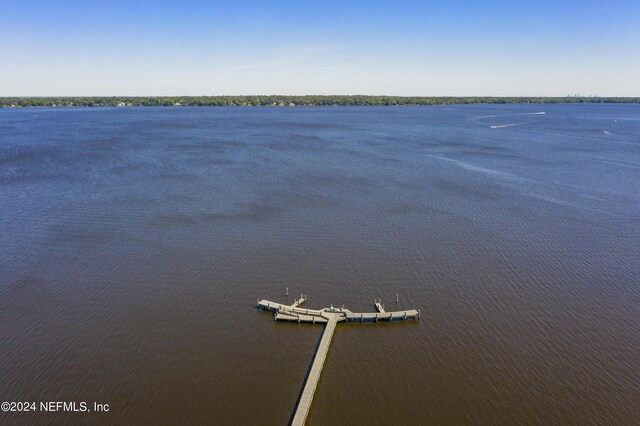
x=134, y=243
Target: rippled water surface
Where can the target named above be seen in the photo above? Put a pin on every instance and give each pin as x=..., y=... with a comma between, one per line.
x=134, y=243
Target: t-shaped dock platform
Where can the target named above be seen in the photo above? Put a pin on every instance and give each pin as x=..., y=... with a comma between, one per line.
x=331, y=317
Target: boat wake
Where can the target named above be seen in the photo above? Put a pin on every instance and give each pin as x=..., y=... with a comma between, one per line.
x=510, y=115
x=501, y=126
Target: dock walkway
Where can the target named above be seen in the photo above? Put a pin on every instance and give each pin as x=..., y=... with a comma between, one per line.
x=330, y=317
x=304, y=404
x=319, y=316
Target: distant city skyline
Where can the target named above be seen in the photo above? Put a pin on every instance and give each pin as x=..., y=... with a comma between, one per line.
x=402, y=48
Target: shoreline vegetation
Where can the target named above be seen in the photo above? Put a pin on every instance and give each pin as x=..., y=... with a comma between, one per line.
x=276, y=100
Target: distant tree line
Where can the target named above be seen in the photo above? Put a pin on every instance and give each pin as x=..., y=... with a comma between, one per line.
x=311, y=100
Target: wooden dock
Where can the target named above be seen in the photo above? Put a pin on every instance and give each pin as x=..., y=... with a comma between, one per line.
x=330, y=317
x=304, y=403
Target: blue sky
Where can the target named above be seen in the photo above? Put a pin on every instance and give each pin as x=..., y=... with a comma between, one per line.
x=457, y=48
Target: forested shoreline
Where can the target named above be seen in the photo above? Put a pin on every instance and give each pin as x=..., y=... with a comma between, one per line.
x=310, y=100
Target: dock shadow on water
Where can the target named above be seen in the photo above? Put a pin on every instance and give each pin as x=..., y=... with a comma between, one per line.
x=134, y=240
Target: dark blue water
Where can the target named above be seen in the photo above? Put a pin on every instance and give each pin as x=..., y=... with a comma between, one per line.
x=134, y=243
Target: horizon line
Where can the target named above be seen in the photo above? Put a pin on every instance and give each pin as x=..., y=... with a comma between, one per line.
x=578, y=96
